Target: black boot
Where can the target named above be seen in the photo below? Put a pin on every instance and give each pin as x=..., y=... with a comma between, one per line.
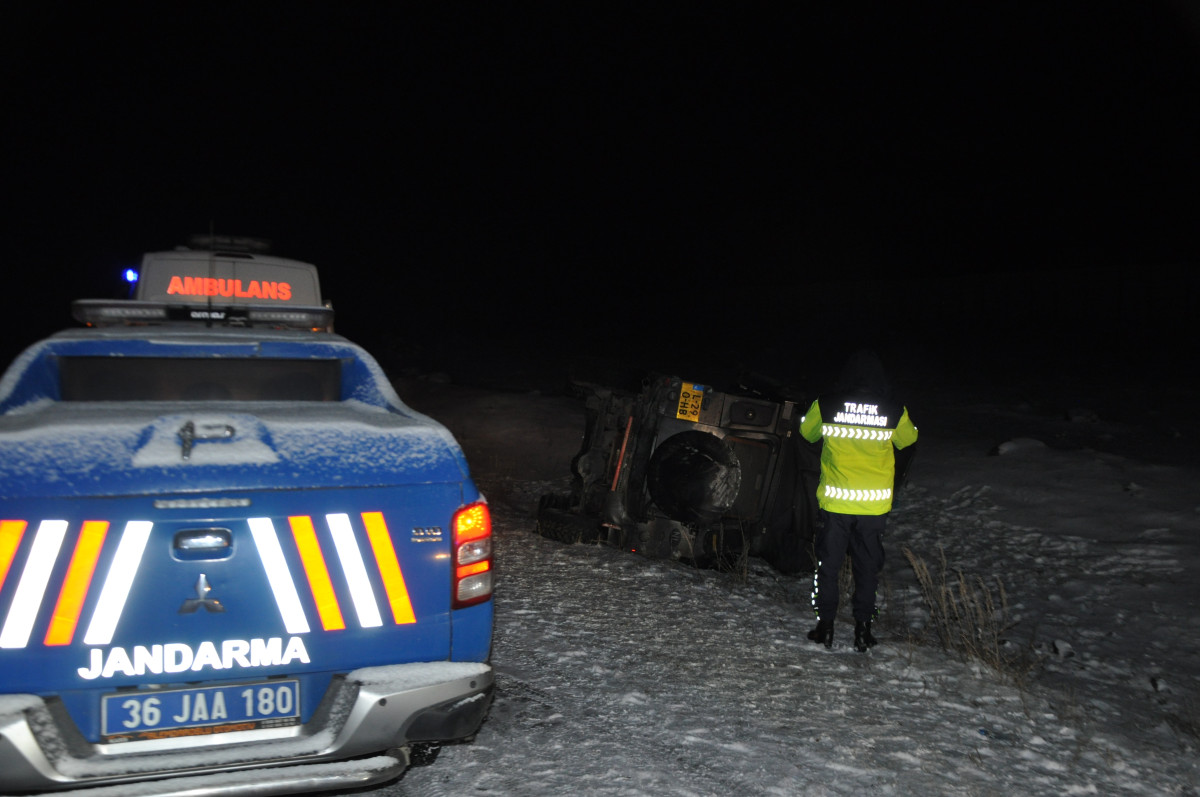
x=823, y=633
x=862, y=636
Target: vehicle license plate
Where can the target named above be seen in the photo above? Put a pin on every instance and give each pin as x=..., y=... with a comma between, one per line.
x=691, y=396
x=201, y=711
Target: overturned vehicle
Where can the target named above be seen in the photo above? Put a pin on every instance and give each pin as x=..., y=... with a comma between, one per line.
x=683, y=470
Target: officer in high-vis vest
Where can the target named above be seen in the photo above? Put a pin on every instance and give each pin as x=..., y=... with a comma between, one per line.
x=862, y=426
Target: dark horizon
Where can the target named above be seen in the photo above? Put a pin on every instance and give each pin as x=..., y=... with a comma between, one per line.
x=468, y=174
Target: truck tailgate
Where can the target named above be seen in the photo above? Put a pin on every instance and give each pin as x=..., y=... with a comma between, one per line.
x=110, y=594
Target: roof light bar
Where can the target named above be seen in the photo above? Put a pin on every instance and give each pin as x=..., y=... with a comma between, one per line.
x=110, y=312
x=307, y=317
x=106, y=312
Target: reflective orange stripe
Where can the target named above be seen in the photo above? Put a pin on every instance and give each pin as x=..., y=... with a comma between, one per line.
x=89, y=545
x=11, y=532
x=75, y=585
x=389, y=568
x=317, y=573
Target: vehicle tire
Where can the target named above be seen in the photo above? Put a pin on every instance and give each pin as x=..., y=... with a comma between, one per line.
x=694, y=477
x=701, y=547
x=790, y=535
x=555, y=521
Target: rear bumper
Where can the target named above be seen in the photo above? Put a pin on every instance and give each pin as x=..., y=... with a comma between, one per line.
x=370, y=711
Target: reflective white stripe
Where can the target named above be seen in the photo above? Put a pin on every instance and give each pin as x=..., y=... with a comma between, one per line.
x=117, y=583
x=278, y=575
x=843, y=494
x=856, y=432
x=355, y=570
x=32, y=588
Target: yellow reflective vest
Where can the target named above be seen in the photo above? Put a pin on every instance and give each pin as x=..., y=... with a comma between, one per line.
x=858, y=464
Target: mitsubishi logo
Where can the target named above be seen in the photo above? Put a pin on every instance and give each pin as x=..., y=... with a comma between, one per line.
x=201, y=600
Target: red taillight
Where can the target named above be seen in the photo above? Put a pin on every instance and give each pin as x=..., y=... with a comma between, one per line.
x=472, y=555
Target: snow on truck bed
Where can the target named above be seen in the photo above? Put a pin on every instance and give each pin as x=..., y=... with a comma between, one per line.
x=62, y=449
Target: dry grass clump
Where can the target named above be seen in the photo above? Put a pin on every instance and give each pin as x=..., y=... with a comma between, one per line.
x=970, y=616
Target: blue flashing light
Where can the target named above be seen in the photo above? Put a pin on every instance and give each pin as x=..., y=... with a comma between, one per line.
x=131, y=275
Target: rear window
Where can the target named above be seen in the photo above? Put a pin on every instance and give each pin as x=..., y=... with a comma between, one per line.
x=198, y=379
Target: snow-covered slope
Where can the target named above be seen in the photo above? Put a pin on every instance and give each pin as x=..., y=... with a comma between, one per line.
x=621, y=675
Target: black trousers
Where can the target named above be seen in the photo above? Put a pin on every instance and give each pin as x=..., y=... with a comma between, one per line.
x=862, y=537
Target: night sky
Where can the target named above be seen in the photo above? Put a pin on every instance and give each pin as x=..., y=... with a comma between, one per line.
x=589, y=174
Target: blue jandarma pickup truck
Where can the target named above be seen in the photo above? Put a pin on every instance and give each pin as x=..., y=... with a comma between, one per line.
x=231, y=559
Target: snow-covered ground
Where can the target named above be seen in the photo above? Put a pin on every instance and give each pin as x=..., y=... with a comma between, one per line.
x=622, y=675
